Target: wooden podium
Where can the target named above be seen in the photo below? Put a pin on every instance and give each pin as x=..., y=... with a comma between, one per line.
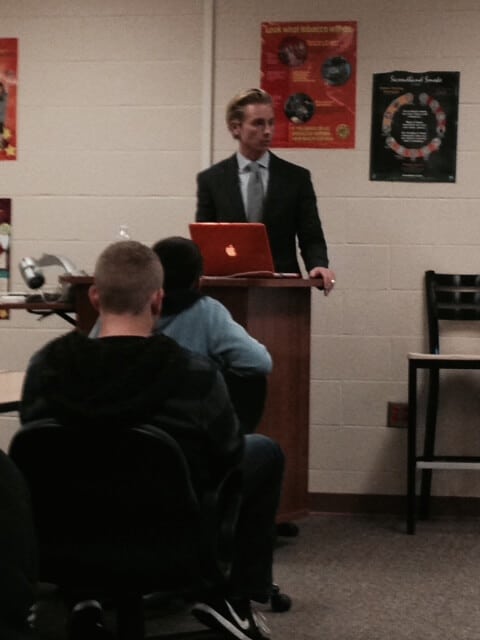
x=276, y=311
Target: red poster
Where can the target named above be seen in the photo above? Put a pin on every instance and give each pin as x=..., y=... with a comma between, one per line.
x=309, y=69
x=8, y=98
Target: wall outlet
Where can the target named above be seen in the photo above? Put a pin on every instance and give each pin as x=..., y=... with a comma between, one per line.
x=397, y=415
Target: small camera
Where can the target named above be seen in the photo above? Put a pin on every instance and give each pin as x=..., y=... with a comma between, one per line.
x=31, y=273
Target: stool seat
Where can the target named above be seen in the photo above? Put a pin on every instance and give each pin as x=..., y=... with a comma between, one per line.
x=451, y=357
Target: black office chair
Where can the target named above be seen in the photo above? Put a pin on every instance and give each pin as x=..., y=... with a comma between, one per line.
x=449, y=297
x=117, y=517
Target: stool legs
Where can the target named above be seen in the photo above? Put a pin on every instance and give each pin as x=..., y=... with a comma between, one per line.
x=429, y=442
x=411, y=446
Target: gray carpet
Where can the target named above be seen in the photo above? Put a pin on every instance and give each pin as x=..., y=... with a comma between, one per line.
x=359, y=578
x=355, y=578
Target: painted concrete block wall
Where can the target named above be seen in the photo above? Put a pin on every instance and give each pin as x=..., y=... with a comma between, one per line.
x=382, y=237
x=110, y=132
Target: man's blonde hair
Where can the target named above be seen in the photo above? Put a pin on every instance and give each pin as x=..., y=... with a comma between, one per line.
x=236, y=107
x=127, y=273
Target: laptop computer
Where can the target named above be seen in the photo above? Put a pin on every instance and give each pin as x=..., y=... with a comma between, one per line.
x=234, y=249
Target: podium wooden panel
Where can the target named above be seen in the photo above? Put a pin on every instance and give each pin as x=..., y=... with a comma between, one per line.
x=276, y=312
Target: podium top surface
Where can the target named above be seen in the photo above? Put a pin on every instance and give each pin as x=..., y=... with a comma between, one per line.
x=212, y=281
x=226, y=281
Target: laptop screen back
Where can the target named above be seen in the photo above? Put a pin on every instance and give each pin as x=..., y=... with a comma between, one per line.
x=230, y=248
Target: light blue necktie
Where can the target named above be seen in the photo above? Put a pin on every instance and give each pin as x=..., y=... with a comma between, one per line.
x=254, y=193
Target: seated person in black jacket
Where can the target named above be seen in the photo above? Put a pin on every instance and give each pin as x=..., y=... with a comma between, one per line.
x=128, y=376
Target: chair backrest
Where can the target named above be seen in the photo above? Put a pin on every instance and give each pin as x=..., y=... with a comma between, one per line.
x=248, y=395
x=450, y=297
x=115, y=507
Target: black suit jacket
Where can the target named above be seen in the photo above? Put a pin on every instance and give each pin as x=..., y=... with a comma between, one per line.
x=290, y=209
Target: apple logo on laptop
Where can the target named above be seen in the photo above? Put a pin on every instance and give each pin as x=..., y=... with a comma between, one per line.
x=230, y=251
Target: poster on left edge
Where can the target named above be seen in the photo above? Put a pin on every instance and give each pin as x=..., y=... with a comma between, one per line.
x=8, y=98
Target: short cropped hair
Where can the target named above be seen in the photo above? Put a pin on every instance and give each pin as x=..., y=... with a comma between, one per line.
x=127, y=273
x=182, y=262
x=236, y=107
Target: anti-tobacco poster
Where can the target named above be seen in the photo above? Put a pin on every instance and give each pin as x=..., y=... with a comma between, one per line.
x=414, y=126
x=309, y=69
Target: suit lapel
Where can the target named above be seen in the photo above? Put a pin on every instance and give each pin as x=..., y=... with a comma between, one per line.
x=275, y=186
x=232, y=190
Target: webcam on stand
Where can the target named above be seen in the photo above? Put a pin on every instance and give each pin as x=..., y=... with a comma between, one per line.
x=32, y=274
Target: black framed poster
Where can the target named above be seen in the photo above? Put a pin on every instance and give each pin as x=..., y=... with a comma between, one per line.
x=414, y=126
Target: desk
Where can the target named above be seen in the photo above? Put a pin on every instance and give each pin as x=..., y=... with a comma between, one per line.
x=10, y=390
x=430, y=361
x=62, y=309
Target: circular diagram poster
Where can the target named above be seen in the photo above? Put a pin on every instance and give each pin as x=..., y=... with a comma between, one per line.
x=309, y=69
x=414, y=126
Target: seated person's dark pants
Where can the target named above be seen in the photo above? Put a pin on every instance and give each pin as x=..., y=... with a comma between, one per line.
x=262, y=481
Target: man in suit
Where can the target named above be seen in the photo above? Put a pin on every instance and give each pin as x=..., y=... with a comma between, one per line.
x=289, y=208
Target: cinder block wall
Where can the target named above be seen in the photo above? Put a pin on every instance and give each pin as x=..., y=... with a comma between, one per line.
x=111, y=131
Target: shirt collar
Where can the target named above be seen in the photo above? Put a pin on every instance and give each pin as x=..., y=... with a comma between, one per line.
x=243, y=162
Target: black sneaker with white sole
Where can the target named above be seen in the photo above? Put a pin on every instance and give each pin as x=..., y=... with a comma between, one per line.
x=237, y=618
x=86, y=622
